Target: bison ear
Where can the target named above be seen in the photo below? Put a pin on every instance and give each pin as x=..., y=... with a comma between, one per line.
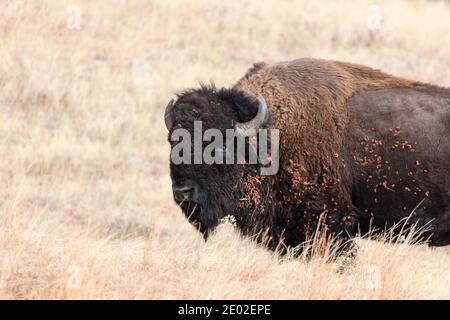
x=259, y=120
x=244, y=106
x=245, y=112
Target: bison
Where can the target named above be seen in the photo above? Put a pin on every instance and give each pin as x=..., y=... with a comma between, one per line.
x=358, y=149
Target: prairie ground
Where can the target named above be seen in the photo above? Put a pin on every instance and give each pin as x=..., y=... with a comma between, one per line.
x=86, y=208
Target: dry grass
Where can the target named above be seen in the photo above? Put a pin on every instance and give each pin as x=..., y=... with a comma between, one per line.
x=85, y=200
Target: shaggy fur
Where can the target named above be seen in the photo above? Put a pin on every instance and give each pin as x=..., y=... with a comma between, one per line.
x=357, y=147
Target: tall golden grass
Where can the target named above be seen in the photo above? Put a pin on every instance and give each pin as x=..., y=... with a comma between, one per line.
x=85, y=200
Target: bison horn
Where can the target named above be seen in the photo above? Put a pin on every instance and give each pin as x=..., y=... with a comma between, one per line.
x=167, y=116
x=258, y=121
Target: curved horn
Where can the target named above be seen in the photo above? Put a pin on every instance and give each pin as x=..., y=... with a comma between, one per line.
x=259, y=120
x=167, y=118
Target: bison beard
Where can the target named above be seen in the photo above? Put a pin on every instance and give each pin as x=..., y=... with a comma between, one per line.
x=358, y=148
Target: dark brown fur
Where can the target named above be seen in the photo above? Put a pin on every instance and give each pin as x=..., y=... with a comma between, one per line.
x=357, y=145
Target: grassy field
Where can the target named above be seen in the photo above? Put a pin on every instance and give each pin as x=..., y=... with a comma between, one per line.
x=86, y=208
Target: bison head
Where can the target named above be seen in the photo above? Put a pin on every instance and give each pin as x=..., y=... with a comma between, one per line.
x=206, y=192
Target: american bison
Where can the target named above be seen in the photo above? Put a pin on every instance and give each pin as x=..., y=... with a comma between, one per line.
x=358, y=148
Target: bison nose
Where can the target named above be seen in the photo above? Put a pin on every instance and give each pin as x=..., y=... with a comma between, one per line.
x=184, y=193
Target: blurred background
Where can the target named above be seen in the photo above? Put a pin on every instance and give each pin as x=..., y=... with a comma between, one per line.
x=84, y=152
